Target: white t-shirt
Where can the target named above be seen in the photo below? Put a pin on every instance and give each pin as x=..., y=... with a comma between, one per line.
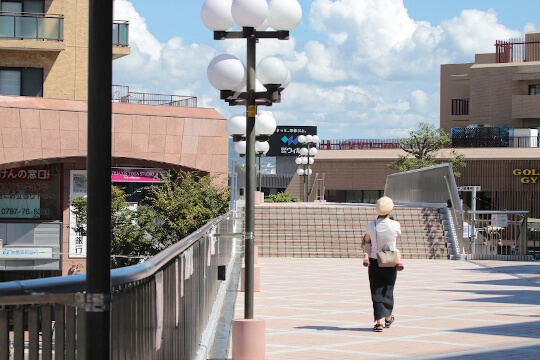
x=387, y=232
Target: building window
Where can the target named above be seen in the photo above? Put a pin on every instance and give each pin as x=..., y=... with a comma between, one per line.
x=21, y=81
x=460, y=106
x=534, y=89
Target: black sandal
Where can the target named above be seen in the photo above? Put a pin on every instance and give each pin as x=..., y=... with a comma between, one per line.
x=378, y=328
x=387, y=323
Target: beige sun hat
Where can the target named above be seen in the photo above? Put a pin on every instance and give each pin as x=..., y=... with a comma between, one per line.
x=384, y=206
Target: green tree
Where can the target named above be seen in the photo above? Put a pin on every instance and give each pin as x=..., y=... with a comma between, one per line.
x=135, y=233
x=423, y=144
x=185, y=201
x=282, y=197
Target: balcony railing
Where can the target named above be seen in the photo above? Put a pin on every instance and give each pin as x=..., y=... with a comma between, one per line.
x=121, y=33
x=121, y=94
x=31, y=26
x=517, y=50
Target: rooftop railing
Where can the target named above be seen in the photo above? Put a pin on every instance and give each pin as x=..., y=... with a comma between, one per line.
x=31, y=26
x=356, y=144
x=121, y=94
x=517, y=50
x=159, y=308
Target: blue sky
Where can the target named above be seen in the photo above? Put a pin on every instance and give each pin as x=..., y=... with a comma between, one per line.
x=360, y=68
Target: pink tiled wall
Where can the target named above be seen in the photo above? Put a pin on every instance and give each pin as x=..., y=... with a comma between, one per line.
x=38, y=129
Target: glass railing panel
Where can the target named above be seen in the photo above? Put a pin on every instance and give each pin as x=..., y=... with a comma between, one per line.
x=26, y=27
x=7, y=26
x=49, y=28
x=123, y=36
x=120, y=34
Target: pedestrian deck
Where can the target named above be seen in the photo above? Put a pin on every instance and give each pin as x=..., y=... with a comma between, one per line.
x=320, y=308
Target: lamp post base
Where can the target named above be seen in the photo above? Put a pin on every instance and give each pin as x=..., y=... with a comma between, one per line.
x=248, y=339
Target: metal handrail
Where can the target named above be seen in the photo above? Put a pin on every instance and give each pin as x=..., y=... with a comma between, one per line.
x=121, y=276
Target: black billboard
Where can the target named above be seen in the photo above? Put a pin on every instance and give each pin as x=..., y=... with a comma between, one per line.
x=284, y=142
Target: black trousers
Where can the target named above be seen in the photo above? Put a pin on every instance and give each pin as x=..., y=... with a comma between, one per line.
x=381, y=283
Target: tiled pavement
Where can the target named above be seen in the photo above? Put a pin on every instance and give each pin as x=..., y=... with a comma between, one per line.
x=318, y=308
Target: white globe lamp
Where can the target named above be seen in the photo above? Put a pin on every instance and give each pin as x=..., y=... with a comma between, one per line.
x=311, y=161
x=309, y=138
x=316, y=139
x=303, y=151
x=265, y=124
x=262, y=147
x=298, y=161
x=302, y=139
x=226, y=72
x=313, y=151
x=287, y=80
x=300, y=172
x=272, y=71
x=284, y=14
x=240, y=147
x=304, y=161
x=249, y=13
x=308, y=172
x=236, y=125
x=216, y=15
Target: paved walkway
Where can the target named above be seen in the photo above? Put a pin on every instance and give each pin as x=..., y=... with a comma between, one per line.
x=321, y=309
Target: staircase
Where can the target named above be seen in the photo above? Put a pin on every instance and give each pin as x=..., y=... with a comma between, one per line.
x=328, y=230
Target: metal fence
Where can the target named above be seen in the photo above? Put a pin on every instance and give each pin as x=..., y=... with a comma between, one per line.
x=159, y=310
x=121, y=94
x=501, y=235
x=517, y=50
x=357, y=144
x=31, y=26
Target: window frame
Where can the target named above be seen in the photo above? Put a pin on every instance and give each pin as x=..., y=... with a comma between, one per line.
x=22, y=72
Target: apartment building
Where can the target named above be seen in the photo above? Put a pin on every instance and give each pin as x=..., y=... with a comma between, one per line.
x=43, y=134
x=498, y=89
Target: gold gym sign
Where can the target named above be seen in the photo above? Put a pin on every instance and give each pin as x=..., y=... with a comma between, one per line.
x=528, y=176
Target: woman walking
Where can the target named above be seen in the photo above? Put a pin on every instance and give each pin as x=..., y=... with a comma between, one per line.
x=380, y=233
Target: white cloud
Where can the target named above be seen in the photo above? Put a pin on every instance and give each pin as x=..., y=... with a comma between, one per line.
x=475, y=31
x=372, y=72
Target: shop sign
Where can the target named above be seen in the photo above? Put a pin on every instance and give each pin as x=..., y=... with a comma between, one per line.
x=9, y=253
x=135, y=175
x=26, y=174
x=469, y=188
x=499, y=220
x=78, y=187
x=284, y=141
x=528, y=176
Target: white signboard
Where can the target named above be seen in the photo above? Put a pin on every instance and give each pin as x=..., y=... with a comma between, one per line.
x=499, y=220
x=8, y=253
x=77, y=243
x=469, y=188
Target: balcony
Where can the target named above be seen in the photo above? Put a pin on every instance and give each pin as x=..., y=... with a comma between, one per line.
x=41, y=31
x=121, y=94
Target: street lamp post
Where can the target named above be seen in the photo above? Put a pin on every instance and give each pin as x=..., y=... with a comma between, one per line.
x=261, y=148
x=306, y=159
x=225, y=74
